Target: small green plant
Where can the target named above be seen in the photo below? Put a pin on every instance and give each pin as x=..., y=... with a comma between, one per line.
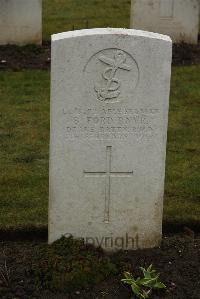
x=142, y=287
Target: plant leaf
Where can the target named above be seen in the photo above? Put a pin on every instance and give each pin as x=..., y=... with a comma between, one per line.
x=160, y=285
x=136, y=289
x=128, y=275
x=128, y=281
x=148, y=282
x=149, y=268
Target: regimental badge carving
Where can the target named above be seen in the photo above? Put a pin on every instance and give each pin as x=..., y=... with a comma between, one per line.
x=111, y=88
x=112, y=75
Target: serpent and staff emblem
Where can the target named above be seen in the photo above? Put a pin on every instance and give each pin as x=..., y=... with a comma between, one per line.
x=111, y=89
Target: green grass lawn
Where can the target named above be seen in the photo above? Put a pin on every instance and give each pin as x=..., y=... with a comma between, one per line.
x=65, y=15
x=24, y=138
x=182, y=187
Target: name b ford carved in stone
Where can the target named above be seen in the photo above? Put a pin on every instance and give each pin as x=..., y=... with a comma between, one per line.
x=110, y=123
x=111, y=71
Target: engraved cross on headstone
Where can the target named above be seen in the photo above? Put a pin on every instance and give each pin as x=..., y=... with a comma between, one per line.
x=108, y=174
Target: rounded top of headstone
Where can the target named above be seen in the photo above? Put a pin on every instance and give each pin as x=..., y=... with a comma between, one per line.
x=104, y=31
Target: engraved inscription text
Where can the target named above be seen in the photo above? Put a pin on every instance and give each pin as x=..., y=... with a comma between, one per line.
x=110, y=123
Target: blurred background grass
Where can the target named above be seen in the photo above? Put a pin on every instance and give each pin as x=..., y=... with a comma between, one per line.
x=65, y=15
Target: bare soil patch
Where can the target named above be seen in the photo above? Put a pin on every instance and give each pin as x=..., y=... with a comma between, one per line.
x=177, y=260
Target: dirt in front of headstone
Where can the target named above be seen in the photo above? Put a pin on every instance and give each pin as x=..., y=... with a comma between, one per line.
x=39, y=57
x=177, y=260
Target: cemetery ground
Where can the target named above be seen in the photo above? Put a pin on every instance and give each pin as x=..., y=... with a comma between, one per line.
x=68, y=269
x=24, y=149
x=24, y=200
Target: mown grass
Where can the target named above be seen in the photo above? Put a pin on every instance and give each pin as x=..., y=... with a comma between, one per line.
x=65, y=15
x=24, y=143
x=182, y=190
x=24, y=137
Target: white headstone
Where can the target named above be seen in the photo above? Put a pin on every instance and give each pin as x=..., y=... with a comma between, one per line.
x=177, y=18
x=109, y=112
x=20, y=22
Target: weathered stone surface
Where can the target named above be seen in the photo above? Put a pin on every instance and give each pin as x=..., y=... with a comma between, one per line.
x=20, y=22
x=177, y=18
x=109, y=112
